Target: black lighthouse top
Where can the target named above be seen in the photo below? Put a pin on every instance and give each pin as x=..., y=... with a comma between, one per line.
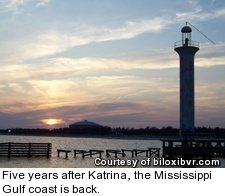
x=186, y=29
x=186, y=39
x=186, y=35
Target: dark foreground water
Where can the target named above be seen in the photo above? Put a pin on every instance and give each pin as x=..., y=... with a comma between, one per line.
x=71, y=143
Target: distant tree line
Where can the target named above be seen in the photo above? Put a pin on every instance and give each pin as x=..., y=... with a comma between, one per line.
x=39, y=131
x=170, y=131
x=150, y=131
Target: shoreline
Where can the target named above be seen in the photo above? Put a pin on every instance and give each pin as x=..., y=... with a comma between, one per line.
x=121, y=137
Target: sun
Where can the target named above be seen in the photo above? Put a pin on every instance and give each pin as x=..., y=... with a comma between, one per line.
x=51, y=121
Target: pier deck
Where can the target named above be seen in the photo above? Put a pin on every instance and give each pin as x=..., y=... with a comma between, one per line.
x=193, y=147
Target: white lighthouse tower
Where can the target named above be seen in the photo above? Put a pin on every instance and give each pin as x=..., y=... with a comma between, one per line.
x=186, y=50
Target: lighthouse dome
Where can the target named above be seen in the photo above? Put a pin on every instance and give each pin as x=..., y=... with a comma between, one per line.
x=186, y=29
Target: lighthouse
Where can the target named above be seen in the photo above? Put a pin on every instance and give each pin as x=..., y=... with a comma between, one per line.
x=186, y=48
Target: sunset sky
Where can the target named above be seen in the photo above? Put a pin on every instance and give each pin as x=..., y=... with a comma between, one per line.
x=110, y=62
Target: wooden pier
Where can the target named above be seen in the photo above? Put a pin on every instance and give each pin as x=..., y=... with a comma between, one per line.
x=25, y=149
x=193, y=147
x=111, y=152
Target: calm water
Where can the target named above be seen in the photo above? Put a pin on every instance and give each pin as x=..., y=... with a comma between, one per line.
x=71, y=143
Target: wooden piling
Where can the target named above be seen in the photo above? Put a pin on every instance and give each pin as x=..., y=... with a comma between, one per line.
x=76, y=152
x=115, y=152
x=90, y=153
x=94, y=152
x=139, y=151
x=126, y=150
x=66, y=152
x=154, y=151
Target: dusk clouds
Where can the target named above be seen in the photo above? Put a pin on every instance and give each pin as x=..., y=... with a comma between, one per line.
x=106, y=62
